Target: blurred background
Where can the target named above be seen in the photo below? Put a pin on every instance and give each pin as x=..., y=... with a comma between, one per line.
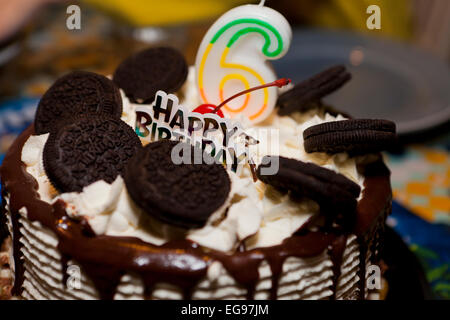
x=401, y=72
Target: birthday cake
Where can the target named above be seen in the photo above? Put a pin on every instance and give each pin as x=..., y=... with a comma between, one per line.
x=138, y=187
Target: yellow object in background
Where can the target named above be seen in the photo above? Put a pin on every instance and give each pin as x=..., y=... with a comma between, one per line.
x=396, y=15
x=165, y=12
x=421, y=181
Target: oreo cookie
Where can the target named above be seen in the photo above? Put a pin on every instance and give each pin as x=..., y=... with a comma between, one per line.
x=148, y=71
x=88, y=149
x=332, y=191
x=307, y=95
x=184, y=195
x=77, y=93
x=356, y=136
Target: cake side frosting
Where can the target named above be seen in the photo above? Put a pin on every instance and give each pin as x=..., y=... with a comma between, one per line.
x=301, y=278
x=308, y=278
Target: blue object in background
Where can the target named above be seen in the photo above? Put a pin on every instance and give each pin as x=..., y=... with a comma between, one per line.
x=430, y=243
x=17, y=114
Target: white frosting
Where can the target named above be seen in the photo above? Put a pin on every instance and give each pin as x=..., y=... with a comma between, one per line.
x=243, y=218
x=32, y=157
x=96, y=203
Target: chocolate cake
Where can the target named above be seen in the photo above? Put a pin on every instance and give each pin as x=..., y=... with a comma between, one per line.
x=135, y=229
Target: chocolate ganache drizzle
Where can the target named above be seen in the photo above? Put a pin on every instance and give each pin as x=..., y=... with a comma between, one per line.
x=181, y=263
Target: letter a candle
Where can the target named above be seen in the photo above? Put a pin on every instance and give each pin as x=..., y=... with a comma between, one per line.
x=233, y=57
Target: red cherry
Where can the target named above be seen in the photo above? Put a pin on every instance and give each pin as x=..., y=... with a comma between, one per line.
x=208, y=108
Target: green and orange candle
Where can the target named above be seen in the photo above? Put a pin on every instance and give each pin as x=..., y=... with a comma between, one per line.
x=233, y=58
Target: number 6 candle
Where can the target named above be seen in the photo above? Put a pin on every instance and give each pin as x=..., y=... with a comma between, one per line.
x=233, y=57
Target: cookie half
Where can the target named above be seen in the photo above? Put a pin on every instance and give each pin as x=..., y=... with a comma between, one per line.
x=329, y=189
x=356, y=136
x=88, y=149
x=148, y=71
x=307, y=95
x=184, y=195
x=77, y=93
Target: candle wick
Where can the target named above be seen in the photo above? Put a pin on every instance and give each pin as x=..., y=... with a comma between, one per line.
x=278, y=83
